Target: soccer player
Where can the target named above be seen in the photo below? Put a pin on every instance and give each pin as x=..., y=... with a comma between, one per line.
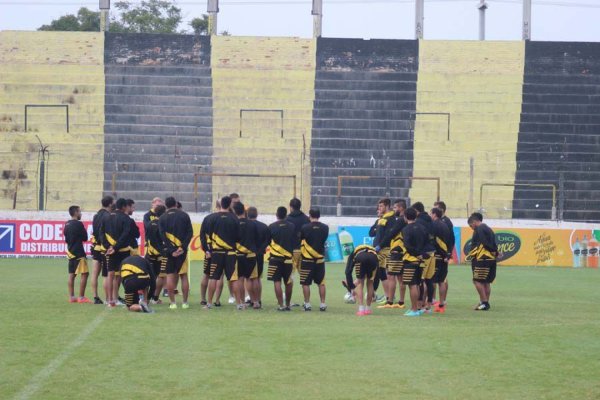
x=116, y=237
x=364, y=262
x=443, y=286
x=312, y=269
x=138, y=283
x=443, y=252
x=235, y=198
x=205, y=238
x=75, y=234
x=298, y=219
x=429, y=258
x=99, y=260
x=176, y=232
x=283, y=239
x=225, y=233
x=134, y=230
x=264, y=238
x=483, y=255
x=246, y=249
x=156, y=253
x=415, y=238
x=382, y=245
x=395, y=263
x=151, y=214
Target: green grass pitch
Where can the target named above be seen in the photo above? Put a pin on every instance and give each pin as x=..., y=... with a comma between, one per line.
x=541, y=340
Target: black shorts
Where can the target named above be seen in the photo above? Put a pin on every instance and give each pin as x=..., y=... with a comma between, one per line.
x=206, y=266
x=382, y=274
x=441, y=270
x=260, y=261
x=158, y=264
x=411, y=274
x=280, y=268
x=115, y=260
x=78, y=266
x=395, y=263
x=134, y=286
x=101, y=258
x=312, y=271
x=223, y=262
x=484, y=270
x=365, y=266
x=174, y=264
x=246, y=266
x=97, y=255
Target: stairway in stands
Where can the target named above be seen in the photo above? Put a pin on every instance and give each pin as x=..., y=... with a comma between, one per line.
x=158, y=129
x=559, y=137
x=365, y=94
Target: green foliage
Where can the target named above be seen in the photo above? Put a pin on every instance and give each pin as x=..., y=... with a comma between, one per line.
x=85, y=20
x=200, y=25
x=539, y=341
x=151, y=16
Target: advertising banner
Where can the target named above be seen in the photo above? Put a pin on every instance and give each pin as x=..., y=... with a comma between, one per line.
x=41, y=238
x=544, y=247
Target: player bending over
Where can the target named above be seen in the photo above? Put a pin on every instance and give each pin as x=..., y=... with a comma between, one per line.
x=364, y=262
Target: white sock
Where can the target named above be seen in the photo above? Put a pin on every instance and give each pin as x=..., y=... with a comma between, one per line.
x=323, y=305
x=361, y=308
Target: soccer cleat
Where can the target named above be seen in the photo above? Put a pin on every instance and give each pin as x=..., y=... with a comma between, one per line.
x=256, y=306
x=361, y=313
x=217, y=304
x=287, y=308
x=203, y=303
x=72, y=300
x=119, y=303
x=165, y=293
x=483, y=307
x=185, y=306
x=323, y=307
x=281, y=309
x=98, y=300
x=368, y=312
x=83, y=300
x=247, y=300
x=413, y=314
x=398, y=306
x=207, y=307
x=435, y=303
x=111, y=305
x=231, y=300
x=173, y=306
x=145, y=308
x=241, y=307
x=380, y=299
x=158, y=301
x=386, y=306
x=307, y=307
x=427, y=311
x=439, y=309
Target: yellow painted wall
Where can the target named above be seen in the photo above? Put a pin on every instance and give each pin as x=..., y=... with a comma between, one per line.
x=262, y=73
x=52, y=68
x=480, y=85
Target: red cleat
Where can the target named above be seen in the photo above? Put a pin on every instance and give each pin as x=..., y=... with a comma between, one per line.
x=368, y=312
x=72, y=300
x=361, y=313
x=439, y=309
x=83, y=300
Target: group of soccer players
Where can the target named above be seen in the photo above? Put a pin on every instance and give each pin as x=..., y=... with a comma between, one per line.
x=410, y=248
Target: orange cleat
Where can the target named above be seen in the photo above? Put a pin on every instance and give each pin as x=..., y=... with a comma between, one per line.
x=72, y=300
x=83, y=300
x=439, y=309
x=368, y=312
x=361, y=313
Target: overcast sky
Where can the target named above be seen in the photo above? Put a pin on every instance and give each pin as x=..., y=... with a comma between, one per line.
x=562, y=20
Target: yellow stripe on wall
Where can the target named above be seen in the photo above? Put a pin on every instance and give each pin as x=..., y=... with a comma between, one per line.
x=262, y=73
x=58, y=68
x=480, y=85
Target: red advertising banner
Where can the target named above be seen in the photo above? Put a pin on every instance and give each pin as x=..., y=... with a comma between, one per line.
x=41, y=238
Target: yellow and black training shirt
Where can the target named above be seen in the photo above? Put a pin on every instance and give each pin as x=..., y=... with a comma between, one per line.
x=224, y=231
x=312, y=240
x=116, y=232
x=248, y=242
x=136, y=267
x=361, y=249
x=97, y=225
x=384, y=223
x=205, y=231
x=415, y=239
x=283, y=239
x=154, y=244
x=483, y=244
x=176, y=231
x=441, y=239
x=75, y=234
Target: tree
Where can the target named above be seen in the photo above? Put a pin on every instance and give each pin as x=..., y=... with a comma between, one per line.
x=151, y=16
x=85, y=20
x=200, y=25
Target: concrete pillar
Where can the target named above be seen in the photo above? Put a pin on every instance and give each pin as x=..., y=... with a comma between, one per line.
x=317, y=13
x=419, y=18
x=526, y=19
x=213, y=9
x=482, y=7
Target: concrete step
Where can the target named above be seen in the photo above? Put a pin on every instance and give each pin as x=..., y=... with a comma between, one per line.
x=170, y=101
x=154, y=70
x=365, y=76
x=361, y=124
x=160, y=90
x=377, y=104
x=158, y=80
x=364, y=95
x=157, y=111
x=157, y=129
x=159, y=120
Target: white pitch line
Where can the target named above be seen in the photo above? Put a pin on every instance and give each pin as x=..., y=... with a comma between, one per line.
x=36, y=382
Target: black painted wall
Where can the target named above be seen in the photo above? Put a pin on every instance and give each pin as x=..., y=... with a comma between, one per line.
x=365, y=98
x=158, y=128
x=559, y=135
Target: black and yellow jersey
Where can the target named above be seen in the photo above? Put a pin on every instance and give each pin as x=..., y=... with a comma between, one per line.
x=137, y=267
x=75, y=234
x=176, y=230
x=283, y=239
x=264, y=237
x=393, y=235
x=224, y=231
x=154, y=244
x=299, y=219
x=97, y=223
x=383, y=224
x=312, y=240
x=352, y=259
x=426, y=222
x=116, y=232
x=205, y=231
x=149, y=217
x=248, y=242
x=134, y=234
x=415, y=239
x=441, y=239
x=450, y=226
x=483, y=244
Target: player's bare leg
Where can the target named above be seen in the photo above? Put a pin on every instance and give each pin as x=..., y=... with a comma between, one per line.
x=203, y=287
x=115, y=287
x=71, y=286
x=171, y=286
x=83, y=278
x=96, y=269
x=108, y=287
x=185, y=287
x=219, y=290
x=278, y=293
x=322, y=292
x=288, y=292
x=415, y=293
